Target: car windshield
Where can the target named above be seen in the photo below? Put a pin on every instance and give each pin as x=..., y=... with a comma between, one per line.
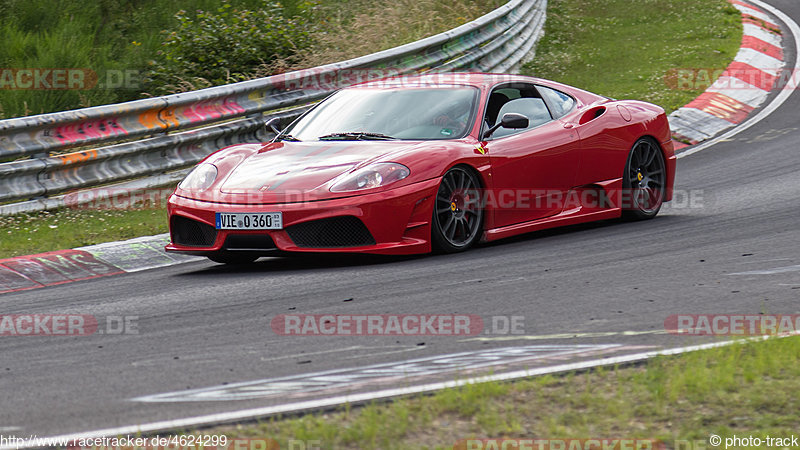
x=389, y=113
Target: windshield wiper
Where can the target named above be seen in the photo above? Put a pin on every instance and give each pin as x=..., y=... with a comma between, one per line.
x=359, y=136
x=286, y=137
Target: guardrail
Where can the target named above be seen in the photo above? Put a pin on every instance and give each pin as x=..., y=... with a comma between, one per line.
x=145, y=140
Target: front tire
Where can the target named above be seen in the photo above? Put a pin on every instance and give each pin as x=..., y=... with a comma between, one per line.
x=644, y=182
x=457, y=213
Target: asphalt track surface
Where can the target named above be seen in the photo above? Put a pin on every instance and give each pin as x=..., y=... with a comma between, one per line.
x=203, y=325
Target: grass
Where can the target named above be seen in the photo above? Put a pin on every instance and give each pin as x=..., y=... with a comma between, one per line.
x=101, y=35
x=359, y=27
x=111, y=37
x=741, y=389
x=26, y=234
x=625, y=48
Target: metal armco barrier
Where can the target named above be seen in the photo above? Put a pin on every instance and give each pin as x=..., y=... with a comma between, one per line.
x=151, y=131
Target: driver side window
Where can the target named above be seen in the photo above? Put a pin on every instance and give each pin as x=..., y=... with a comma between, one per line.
x=517, y=98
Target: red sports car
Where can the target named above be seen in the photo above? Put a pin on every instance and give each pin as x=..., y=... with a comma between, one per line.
x=432, y=162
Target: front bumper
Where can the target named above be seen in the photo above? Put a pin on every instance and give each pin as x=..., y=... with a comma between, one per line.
x=398, y=220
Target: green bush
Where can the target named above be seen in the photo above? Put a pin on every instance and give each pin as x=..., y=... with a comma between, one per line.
x=108, y=37
x=229, y=45
x=161, y=50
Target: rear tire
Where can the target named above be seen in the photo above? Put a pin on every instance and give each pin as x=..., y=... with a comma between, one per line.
x=457, y=212
x=232, y=258
x=644, y=182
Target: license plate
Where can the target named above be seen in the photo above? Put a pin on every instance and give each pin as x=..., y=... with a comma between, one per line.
x=250, y=221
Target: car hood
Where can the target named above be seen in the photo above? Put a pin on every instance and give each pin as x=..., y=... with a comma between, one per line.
x=293, y=171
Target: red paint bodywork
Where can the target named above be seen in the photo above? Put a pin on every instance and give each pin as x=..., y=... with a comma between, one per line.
x=567, y=154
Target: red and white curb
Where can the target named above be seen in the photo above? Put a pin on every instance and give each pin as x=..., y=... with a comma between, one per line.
x=85, y=263
x=741, y=88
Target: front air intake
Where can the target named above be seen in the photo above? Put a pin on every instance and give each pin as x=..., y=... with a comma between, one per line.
x=191, y=233
x=333, y=232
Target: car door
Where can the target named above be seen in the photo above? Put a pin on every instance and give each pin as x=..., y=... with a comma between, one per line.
x=604, y=148
x=533, y=168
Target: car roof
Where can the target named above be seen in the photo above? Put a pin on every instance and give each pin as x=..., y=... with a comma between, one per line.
x=474, y=79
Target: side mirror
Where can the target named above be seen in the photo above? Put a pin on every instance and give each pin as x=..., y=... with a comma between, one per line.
x=509, y=120
x=272, y=124
x=514, y=120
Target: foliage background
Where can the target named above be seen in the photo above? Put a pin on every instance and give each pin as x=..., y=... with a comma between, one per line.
x=179, y=45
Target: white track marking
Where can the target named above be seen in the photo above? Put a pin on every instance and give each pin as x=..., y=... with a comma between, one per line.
x=762, y=34
x=696, y=124
x=753, y=13
x=761, y=61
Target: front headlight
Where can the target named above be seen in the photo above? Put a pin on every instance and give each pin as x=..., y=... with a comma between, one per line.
x=372, y=176
x=201, y=177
